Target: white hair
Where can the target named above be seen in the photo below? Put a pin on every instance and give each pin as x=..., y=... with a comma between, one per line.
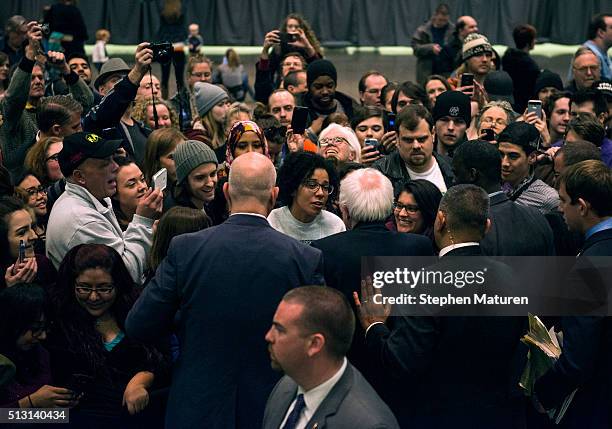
x=337, y=130
x=367, y=194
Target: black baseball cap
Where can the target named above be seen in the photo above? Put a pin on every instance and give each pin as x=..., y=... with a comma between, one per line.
x=521, y=134
x=80, y=146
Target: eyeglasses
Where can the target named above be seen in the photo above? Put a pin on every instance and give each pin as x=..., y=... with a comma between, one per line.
x=334, y=141
x=272, y=133
x=32, y=192
x=54, y=157
x=314, y=186
x=586, y=69
x=410, y=208
x=489, y=120
x=85, y=291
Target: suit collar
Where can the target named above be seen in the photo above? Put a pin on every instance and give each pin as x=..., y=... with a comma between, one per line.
x=370, y=226
x=603, y=235
x=332, y=402
x=498, y=198
x=247, y=219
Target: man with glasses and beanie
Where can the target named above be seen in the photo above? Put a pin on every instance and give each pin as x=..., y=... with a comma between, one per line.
x=84, y=213
x=519, y=145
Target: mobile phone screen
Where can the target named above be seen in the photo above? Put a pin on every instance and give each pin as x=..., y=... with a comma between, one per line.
x=298, y=122
x=160, y=179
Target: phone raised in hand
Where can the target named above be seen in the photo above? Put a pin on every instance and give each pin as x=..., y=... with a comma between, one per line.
x=299, y=120
x=372, y=142
x=488, y=134
x=467, y=79
x=390, y=121
x=535, y=106
x=160, y=179
x=287, y=38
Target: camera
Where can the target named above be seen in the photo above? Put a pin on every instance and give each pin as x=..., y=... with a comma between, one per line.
x=162, y=52
x=45, y=28
x=286, y=38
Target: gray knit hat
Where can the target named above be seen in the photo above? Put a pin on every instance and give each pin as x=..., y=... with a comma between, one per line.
x=191, y=154
x=207, y=96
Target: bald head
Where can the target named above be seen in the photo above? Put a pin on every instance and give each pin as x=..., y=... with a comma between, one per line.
x=466, y=25
x=251, y=180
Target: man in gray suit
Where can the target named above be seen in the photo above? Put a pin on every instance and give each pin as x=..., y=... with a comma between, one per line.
x=311, y=332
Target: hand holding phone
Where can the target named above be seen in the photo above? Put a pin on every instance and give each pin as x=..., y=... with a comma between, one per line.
x=467, y=83
x=535, y=106
x=299, y=119
x=160, y=179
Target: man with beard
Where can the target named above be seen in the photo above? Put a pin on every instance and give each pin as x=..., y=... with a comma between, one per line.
x=452, y=114
x=79, y=63
x=477, y=56
x=25, y=92
x=322, y=99
x=415, y=157
x=281, y=104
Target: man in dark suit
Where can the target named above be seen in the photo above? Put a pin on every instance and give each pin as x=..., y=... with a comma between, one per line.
x=366, y=200
x=459, y=372
x=516, y=230
x=585, y=191
x=225, y=283
x=311, y=332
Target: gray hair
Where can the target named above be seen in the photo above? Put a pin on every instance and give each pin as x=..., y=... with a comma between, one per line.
x=367, y=194
x=511, y=115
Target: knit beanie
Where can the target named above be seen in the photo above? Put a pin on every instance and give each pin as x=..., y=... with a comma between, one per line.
x=190, y=155
x=475, y=44
x=499, y=86
x=455, y=104
x=207, y=96
x=548, y=79
x=320, y=68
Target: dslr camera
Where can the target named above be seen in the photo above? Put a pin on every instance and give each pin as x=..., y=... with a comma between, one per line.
x=45, y=28
x=162, y=52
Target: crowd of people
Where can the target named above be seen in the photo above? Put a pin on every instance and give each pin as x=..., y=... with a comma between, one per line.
x=165, y=256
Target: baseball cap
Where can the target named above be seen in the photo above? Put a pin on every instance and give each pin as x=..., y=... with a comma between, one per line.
x=80, y=146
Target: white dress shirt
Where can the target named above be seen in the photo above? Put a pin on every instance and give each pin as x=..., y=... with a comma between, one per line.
x=313, y=398
x=447, y=249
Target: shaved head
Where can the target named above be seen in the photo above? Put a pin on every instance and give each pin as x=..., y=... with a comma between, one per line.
x=252, y=177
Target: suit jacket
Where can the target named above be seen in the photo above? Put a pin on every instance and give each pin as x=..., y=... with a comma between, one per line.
x=516, y=230
x=586, y=359
x=226, y=281
x=351, y=404
x=342, y=266
x=459, y=372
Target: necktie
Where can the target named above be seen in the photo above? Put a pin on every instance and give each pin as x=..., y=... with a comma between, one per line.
x=294, y=416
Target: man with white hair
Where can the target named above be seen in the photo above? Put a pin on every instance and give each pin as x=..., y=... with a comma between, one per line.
x=339, y=144
x=366, y=201
x=227, y=291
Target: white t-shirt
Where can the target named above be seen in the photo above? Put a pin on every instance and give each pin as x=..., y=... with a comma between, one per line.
x=434, y=175
x=323, y=225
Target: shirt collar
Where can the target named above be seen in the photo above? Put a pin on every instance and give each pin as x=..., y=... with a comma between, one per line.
x=447, y=249
x=250, y=214
x=606, y=224
x=496, y=193
x=316, y=395
x=83, y=193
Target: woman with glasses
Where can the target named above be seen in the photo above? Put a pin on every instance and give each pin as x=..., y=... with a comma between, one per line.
x=415, y=208
x=495, y=115
x=25, y=375
x=307, y=184
x=19, y=260
x=34, y=196
x=42, y=160
x=89, y=348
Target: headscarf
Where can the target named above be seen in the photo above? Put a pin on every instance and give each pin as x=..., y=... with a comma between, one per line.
x=236, y=132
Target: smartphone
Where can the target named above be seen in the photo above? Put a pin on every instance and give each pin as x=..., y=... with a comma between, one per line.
x=372, y=142
x=535, y=106
x=299, y=119
x=160, y=179
x=467, y=79
x=390, y=121
x=488, y=135
x=22, y=250
x=286, y=38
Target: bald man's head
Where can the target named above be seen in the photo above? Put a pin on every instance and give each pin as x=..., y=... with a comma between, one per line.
x=252, y=179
